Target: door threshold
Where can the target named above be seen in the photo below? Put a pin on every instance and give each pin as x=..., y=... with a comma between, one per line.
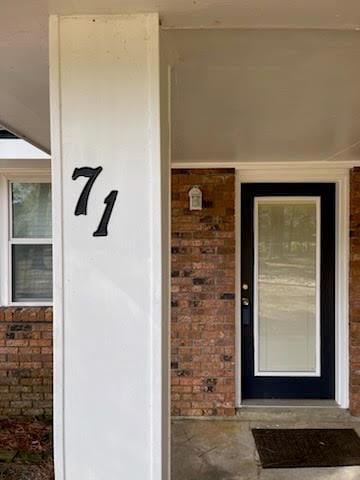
x=289, y=403
x=298, y=410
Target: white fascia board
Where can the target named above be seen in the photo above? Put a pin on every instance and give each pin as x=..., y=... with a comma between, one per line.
x=20, y=149
x=25, y=166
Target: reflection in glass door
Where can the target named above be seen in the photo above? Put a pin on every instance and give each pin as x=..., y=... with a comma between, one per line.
x=287, y=286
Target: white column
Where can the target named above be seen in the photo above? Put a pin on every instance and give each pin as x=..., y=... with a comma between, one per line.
x=110, y=341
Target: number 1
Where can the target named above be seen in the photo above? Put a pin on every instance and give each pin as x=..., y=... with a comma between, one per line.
x=109, y=202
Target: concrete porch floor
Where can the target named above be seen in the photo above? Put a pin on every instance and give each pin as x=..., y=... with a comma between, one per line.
x=224, y=449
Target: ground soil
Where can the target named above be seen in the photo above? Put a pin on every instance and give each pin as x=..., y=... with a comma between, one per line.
x=26, y=449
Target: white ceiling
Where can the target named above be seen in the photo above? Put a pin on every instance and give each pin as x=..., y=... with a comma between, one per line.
x=225, y=13
x=24, y=85
x=241, y=67
x=265, y=95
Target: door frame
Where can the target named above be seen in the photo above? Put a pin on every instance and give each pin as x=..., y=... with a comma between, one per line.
x=303, y=172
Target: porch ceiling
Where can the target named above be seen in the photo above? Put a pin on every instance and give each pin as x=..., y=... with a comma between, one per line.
x=24, y=104
x=265, y=95
x=234, y=13
x=24, y=83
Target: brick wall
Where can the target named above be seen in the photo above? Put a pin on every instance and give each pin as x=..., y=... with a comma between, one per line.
x=25, y=361
x=203, y=292
x=355, y=292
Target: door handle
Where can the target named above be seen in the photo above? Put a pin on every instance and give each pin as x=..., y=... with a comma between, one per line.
x=245, y=302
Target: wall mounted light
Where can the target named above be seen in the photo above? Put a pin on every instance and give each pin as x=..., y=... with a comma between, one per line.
x=195, y=197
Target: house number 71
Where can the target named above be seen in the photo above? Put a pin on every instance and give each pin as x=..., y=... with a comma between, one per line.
x=82, y=204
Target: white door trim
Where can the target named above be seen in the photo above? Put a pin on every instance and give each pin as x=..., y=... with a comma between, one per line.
x=302, y=174
x=280, y=165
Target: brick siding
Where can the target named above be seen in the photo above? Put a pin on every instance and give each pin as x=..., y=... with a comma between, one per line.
x=355, y=292
x=26, y=365
x=202, y=314
x=203, y=294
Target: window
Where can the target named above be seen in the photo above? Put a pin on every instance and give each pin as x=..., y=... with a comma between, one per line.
x=30, y=244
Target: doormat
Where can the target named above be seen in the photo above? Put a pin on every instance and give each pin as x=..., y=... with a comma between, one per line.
x=309, y=447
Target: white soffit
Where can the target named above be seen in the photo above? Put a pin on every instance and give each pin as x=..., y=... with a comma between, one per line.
x=24, y=97
x=334, y=14
x=24, y=84
x=269, y=95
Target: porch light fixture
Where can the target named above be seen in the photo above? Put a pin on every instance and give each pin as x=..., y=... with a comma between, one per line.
x=195, y=197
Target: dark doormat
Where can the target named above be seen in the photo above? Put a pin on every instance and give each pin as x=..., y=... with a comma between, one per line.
x=309, y=447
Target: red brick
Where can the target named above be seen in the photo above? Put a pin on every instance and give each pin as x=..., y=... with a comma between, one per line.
x=21, y=403
x=32, y=412
x=26, y=361
x=354, y=309
x=203, y=269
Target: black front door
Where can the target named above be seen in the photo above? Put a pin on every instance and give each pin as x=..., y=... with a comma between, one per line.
x=288, y=290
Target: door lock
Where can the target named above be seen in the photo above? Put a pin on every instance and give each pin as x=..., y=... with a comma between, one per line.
x=245, y=302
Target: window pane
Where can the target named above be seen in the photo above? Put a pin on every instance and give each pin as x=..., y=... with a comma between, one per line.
x=31, y=203
x=287, y=285
x=32, y=272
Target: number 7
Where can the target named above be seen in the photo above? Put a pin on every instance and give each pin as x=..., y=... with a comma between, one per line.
x=91, y=174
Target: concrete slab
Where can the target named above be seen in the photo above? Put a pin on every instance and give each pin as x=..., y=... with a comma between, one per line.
x=213, y=449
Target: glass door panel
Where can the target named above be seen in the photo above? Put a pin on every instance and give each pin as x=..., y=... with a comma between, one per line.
x=287, y=286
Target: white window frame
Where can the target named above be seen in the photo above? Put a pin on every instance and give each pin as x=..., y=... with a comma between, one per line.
x=6, y=240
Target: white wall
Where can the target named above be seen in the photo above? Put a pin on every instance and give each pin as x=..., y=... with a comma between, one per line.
x=108, y=290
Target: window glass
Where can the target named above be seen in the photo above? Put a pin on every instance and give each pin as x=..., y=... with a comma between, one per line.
x=32, y=273
x=31, y=206
x=287, y=273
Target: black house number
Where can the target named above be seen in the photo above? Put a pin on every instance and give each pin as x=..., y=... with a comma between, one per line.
x=82, y=204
